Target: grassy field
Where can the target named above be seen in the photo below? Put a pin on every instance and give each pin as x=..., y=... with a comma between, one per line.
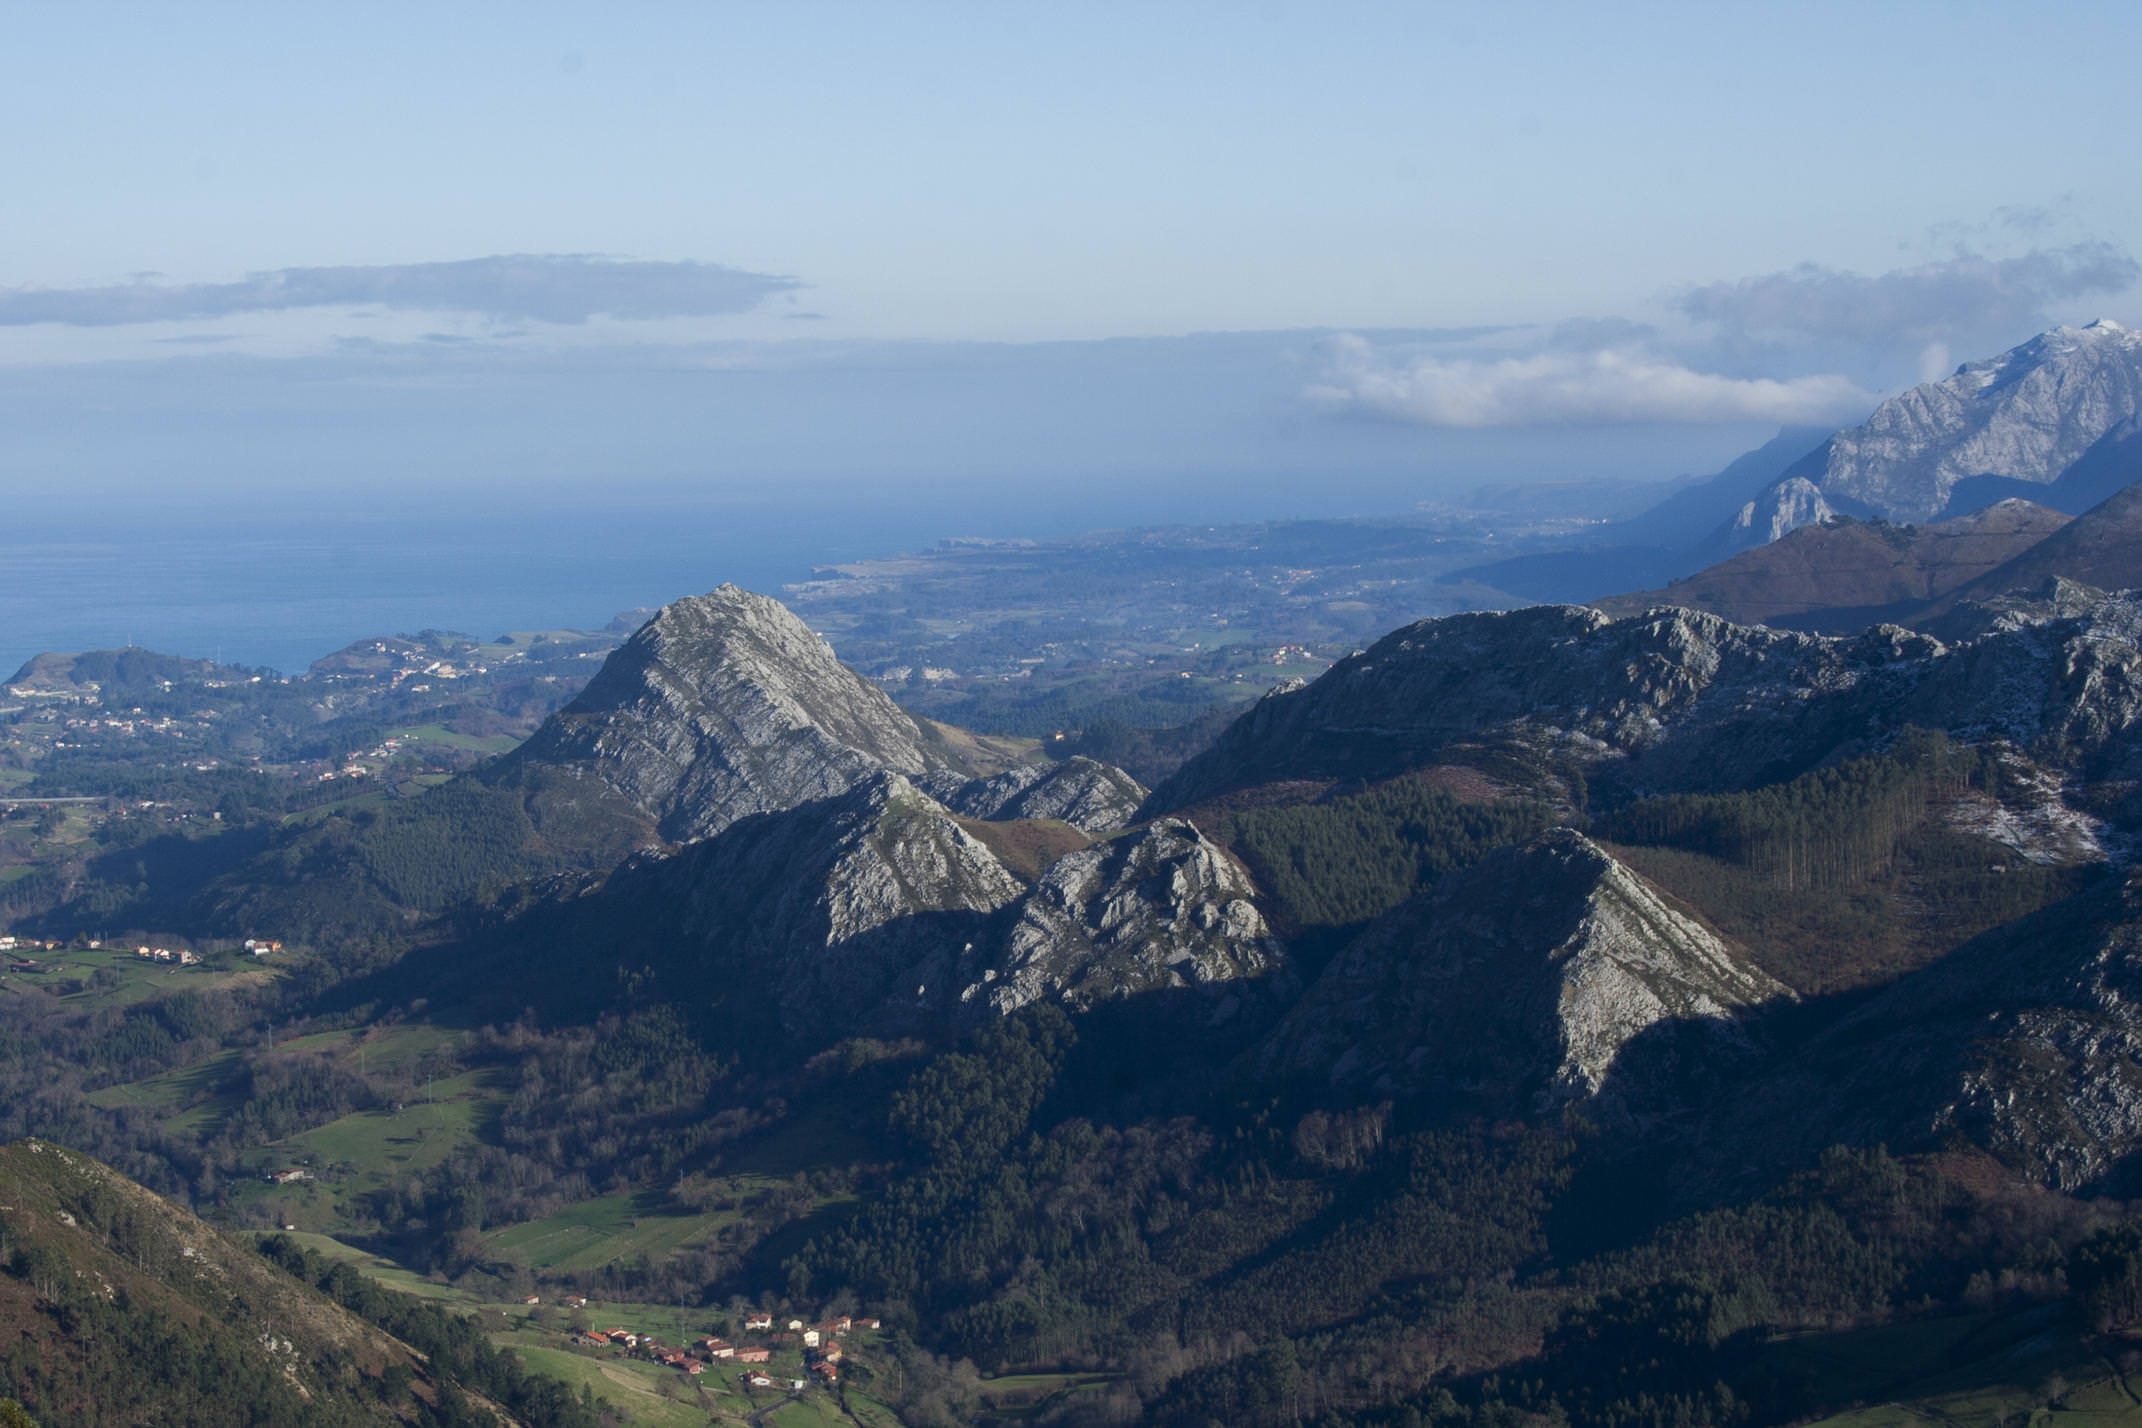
x=187, y=1086
x=2024, y=1368
x=596, y=1232
x=138, y=980
x=636, y=1390
x=445, y=738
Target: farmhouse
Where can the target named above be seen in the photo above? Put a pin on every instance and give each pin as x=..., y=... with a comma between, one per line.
x=759, y=1321
x=753, y=1356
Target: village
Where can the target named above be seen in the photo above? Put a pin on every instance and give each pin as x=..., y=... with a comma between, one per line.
x=19, y=956
x=777, y=1355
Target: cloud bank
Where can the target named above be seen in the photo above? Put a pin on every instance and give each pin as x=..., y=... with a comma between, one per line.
x=1608, y=385
x=541, y=287
x=1960, y=297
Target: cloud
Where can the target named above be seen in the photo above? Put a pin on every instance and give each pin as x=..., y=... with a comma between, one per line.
x=543, y=287
x=1561, y=387
x=1959, y=298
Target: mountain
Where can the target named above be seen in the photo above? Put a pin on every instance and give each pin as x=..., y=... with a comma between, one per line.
x=1673, y=700
x=1163, y=908
x=2102, y=547
x=721, y=706
x=1516, y=985
x=2022, y=1042
x=117, y=1307
x=880, y=912
x=1531, y=695
x=1838, y=575
x=2035, y=418
x=720, y=709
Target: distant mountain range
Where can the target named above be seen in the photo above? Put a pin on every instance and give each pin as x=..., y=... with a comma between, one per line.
x=2056, y=421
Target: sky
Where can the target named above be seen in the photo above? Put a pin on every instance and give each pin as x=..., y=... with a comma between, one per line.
x=1334, y=256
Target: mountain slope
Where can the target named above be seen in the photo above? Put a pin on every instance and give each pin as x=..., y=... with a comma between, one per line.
x=2026, y=418
x=2102, y=547
x=118, y=1307
x=1840, y=575
x=1516, y=985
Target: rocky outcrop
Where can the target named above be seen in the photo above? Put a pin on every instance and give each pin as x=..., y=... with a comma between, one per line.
x=1520, y=984
x=2069, y=687
x=1165, y=908
x=1085, y=793
x=722, y=706
x=1782, y=509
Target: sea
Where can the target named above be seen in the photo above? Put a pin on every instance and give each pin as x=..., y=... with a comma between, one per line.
x=276, y=582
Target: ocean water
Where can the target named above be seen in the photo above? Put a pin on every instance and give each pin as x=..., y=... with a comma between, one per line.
x=279, y=584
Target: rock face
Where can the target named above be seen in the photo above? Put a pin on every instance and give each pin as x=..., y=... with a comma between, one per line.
x=2028, y=417
x=1085, y=793
x=722, y=706
x=1780, y=510
x=1164, y=908
x=1519, y=984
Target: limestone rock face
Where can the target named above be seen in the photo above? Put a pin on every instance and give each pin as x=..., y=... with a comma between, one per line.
x=1085, y=793
x=2065, y=682
x=1519, y=984
x=2029, y=415
x=1778, y=512
x=1164, y=908
x=722, y=706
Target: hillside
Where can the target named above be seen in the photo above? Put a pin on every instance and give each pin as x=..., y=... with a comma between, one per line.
x=1840, y=575
x=117, y=1307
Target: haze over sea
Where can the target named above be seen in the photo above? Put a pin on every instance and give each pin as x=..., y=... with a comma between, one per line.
x=279, y=582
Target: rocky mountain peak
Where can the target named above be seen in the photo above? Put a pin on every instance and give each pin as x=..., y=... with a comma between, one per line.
x=2027, y=416
x=721, y=706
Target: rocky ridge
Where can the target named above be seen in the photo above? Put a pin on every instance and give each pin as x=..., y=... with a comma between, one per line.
x=1673, y=699
x=1518, y=985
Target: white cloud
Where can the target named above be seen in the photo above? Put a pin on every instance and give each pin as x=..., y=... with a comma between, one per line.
x=1607, y=385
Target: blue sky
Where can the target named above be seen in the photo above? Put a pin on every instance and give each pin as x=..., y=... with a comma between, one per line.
x=1404, y=246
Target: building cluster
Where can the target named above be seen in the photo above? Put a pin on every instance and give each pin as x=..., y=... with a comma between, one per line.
x=820, y=1343
x=181, y=957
